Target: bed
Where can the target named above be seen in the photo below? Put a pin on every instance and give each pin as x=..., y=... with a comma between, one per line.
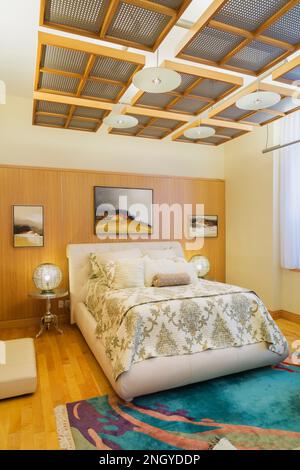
x=153, y=374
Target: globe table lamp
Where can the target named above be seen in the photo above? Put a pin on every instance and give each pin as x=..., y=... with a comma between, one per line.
x=47, y=277
x=202, y=265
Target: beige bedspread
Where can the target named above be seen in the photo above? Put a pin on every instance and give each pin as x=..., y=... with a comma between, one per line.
x=137, y=324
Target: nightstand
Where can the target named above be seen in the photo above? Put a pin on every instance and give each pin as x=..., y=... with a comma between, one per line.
x=49, y=319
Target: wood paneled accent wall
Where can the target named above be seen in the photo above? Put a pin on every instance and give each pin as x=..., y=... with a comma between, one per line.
x=67, y=197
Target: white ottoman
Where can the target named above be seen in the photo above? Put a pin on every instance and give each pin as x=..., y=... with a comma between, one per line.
x=18, y=374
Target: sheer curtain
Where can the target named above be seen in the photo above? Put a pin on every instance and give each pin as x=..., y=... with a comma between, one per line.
x=290, y=193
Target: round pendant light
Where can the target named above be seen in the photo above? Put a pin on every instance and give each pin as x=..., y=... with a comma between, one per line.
x=201, y=132
x=120, y=121
x=258, y=100
x=157, y=80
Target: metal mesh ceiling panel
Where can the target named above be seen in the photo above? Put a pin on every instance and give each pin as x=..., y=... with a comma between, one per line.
x=212, y=44
x=230, y=132
x=153, y=132
x=100, y=90
x=139, y=24
x=54, y=108
x=188, y=105
x=87, y=15
x=211, y=88
x=84, y=125
x=105, y=67
x=132, y=131
x=89, y=112
x=155, y=100
x=287, y=28
x=248, y=14
x=50, y=121
x=65, y=67
x=143, y=120
x=167, y=123
x=68, y=60
x=51, y=81
x=215, y=140
x=176, y=4
x=223, y=39
x=233, y=113
x=187, y=81
x=255, y=56
x=292, y=76
x=286, y=104
x=259, y=118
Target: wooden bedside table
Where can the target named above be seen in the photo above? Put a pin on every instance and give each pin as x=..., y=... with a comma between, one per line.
x=49, y=318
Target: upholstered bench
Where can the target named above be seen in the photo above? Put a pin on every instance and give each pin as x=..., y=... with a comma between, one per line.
x=18, y=373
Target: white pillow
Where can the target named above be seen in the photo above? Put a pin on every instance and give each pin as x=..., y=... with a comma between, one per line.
x=167, y=253
x=128, y=273
x=105, y=257
x=167, y=266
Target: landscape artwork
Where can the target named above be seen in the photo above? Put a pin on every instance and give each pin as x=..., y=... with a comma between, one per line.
x=205, y=226
x=28, y=226
x=123, y=211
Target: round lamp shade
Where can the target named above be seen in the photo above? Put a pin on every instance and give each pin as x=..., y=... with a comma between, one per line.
x=157, y=80
x=202, y=132
x=120, y=121
x=202, y=265
x=258, y=100
x=47, y=277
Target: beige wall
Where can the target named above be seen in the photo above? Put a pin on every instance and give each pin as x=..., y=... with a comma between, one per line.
x=252, y=222
x=24, y=144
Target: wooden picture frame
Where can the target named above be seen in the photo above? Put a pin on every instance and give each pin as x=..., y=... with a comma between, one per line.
x=203, y=226
x=108, y=195
x=28, y=226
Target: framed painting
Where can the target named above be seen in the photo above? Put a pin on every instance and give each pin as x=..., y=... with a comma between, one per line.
x=203, y=226
x=122, y=211
x=28, y=226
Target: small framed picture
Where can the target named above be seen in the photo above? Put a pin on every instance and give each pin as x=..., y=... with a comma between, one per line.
x=28, y=226
x=203, y=226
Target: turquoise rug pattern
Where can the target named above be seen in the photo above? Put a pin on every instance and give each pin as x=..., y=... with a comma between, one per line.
x=254, y=410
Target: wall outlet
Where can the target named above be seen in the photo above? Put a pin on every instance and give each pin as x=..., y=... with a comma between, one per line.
x=61, y=304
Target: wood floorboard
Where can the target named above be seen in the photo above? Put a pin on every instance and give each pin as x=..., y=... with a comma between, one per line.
x=67, y=371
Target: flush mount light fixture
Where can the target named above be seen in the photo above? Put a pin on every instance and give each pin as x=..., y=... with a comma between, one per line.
x=120, y=121
x=202, y=132
x=258, y=100
x=157, y=80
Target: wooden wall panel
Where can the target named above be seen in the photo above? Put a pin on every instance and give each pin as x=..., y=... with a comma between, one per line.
x=67, y=196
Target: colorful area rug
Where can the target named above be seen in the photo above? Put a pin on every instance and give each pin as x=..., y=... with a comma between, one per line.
x=255, y=410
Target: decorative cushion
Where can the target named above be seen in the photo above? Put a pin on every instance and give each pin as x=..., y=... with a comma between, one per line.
x=18, y=374
x=128, y=273
x=167, y=280
x=168, y=266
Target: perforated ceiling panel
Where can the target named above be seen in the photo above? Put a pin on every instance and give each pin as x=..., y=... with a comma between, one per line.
x=223, y=133
x=76, y=68
x=150, y=127
x=230, y=112
x=87, y=15
x=64, y=116
x=200, y=88
x=138, y=24
x=289, y=73
x=248, y=36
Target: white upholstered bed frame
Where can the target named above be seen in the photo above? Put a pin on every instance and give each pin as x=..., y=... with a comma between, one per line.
x=162, y=373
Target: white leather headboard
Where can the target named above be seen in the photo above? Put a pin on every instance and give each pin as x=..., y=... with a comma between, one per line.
x=79, y=268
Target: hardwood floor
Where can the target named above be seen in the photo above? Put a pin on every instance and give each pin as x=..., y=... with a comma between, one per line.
x=67, y=371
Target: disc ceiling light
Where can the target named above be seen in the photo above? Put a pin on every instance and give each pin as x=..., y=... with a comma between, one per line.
x=200, y=132
x=157, y=79
x=117, y=120
x=258, y=100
